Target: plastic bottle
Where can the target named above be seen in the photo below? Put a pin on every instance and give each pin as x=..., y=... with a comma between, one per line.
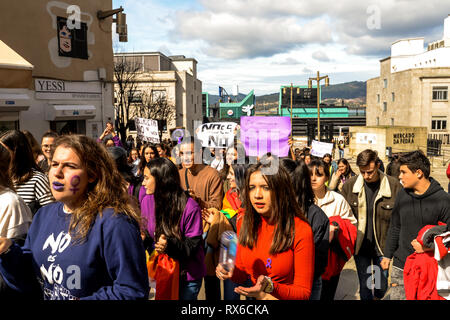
x=228, y=248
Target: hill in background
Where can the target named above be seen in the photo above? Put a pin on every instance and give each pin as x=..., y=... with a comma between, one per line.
x=353, y=93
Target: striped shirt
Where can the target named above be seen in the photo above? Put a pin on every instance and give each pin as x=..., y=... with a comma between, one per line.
x=37, y=188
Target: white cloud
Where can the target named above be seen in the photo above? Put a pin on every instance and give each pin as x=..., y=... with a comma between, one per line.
x=262, y=44
x=232, y=36
x=320, y=56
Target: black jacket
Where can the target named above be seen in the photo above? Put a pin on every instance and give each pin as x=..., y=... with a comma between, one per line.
x=410, y=214
x=320, y=226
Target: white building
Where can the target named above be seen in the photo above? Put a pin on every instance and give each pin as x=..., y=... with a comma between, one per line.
x=412, y=89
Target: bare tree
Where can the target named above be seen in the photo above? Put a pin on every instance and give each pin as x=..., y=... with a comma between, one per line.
x=156, y=106
x=126, y=73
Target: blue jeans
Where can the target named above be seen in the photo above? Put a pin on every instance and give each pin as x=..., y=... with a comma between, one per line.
x=341, y=154
x=189, y=290
x=316, y=289
x=368, y=289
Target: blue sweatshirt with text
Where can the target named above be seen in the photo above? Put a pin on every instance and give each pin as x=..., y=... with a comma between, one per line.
x=108, y=265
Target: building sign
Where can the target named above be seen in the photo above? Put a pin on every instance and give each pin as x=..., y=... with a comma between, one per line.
x=403, y=138
x=366, y=138
x=217, y=134
x=147, y=129
x=67, y=90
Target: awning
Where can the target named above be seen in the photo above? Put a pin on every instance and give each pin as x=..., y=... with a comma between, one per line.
x=14, y=102
x=15, y=71
x=69, y=112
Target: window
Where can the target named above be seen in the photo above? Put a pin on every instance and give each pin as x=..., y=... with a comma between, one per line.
x=384, y=106
x=135, y=96
x=393, y=96
x=392, y=121
x=378, y=121
x=438, y=124
x=158, y=96
x=385, y=83
x=72, y=42
x=440, y=93
x=378, y=98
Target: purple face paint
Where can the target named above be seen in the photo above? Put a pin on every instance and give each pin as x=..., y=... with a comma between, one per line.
x=74, y=182
x=57, y=186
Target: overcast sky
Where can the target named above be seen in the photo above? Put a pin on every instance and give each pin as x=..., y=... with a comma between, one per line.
x=264, y=44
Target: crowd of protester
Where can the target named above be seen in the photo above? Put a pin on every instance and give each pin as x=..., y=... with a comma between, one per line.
x=100, y=219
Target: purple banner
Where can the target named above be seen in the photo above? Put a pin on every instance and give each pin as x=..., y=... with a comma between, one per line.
x=260, y=135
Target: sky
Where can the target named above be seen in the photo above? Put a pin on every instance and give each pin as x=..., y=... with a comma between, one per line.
x=261, y=45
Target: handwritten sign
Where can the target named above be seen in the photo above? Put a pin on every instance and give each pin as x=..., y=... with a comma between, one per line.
x=147, y=129
x=217, y=134
x=319, y=149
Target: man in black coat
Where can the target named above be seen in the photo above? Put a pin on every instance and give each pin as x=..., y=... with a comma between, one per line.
x=422, y=202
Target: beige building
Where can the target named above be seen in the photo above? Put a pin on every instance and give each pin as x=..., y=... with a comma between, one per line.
x=386, y=140
x=173, y=77
x=69, y=56
x=412, y=89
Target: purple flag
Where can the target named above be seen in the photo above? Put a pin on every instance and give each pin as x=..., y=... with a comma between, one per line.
x=260, y=135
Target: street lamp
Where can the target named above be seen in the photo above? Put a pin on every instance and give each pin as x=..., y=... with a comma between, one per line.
x=327, y=83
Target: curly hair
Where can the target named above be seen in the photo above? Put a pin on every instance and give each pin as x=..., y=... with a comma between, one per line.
x=109, y=190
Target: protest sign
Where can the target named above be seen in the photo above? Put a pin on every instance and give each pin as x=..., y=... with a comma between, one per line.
x=217, y=134
x=260, y=135
x=147, y=129
x=319, y=149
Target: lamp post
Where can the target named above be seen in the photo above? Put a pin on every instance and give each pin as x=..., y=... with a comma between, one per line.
x=291, y=109
x=327, y=83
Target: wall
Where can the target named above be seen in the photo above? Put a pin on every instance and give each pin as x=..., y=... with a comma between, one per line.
x=401, y=139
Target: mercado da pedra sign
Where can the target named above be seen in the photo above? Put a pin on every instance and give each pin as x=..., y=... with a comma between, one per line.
x=403, y=138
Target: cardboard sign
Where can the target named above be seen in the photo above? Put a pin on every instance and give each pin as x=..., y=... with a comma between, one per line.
x=260, y=135
x=217, y=134
x=147, y=130
x=319, y=149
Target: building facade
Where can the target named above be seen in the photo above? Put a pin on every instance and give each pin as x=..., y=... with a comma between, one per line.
x=173, y=78
x=412, y=89
x=70, y=49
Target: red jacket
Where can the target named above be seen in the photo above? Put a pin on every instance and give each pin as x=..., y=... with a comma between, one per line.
x=448, y=171
x=420, y=273
x=346, y=240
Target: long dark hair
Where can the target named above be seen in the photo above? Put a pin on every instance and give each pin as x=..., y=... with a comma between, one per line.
x=349, y=170
x=301, y=181
x=240, y=171
x=170, y=198
x=22, y=163
x=302, y=187
x=143, y=162
x=5, y=160
x=284, y=209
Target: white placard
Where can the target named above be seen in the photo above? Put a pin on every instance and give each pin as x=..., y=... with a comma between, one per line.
x=216, y=134
x=319, y=149
x=147, y=129
x=366, y=138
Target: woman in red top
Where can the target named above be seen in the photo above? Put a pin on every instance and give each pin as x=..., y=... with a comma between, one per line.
x=275, y=241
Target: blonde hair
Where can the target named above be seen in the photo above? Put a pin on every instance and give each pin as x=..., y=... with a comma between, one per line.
x=109, y=190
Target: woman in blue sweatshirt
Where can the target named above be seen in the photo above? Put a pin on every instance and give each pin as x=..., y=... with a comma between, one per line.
x=87, y=245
